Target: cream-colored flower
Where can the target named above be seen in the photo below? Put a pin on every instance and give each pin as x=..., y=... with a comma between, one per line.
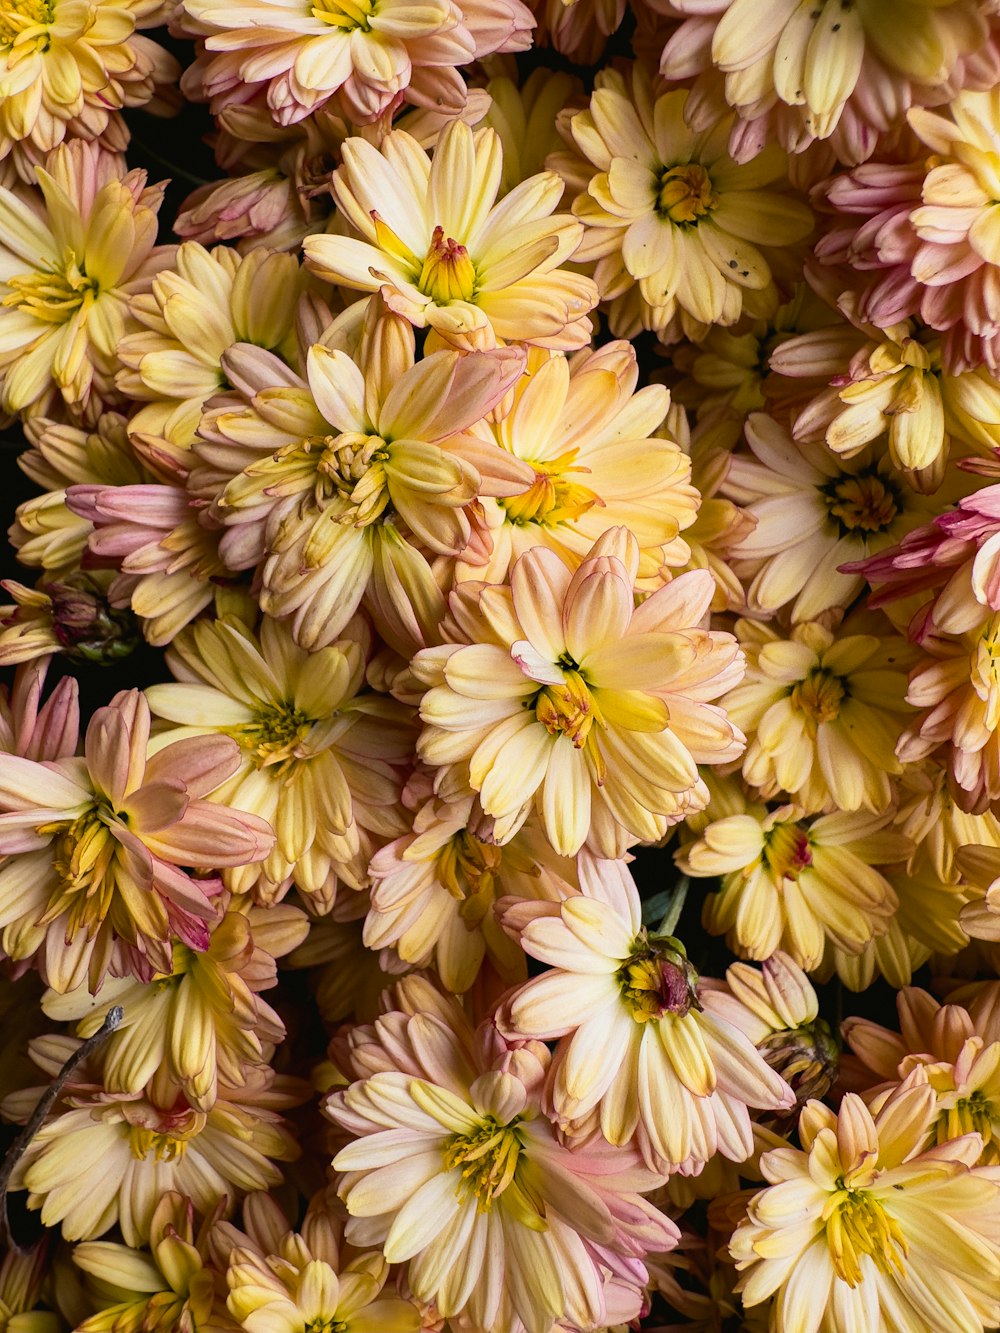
x=823, y=714
x=447, y=256
x=642, y=1053
x=669, y=210
x=572, y=700
x=314, y=753
x=862, y=1229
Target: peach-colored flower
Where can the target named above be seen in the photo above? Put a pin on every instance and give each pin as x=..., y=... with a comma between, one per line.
x=642, y=1053
x=445, y=255
x=334, y=482
x=453, y=1168
x=94, y=845
x=575, y=702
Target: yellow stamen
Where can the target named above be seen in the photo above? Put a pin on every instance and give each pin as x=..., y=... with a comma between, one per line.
x=857, y=1224
x=275, y=736
x=468, y=869
x=346, y=14
x=569, y=709
x=52, y=295
x=488, y=1158
x=448, y=273
x=83, y=853
x=819, y=696
x=19, y=17
x=552, y=498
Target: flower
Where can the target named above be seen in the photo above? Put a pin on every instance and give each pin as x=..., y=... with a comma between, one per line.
x=315, y=757
x=199, y=307
x=667, y=208
x=108, y=1158
x=444, y=254
x=815, y=513
x=72, y=616
x=202, y=1021
x=793, y=882
x=95, y=845
x=330, y=483
x=640, y=1043
x=576, y=703
x=66, y=71
x=823, y=715
x=861, y=1223
x=452, y=1167
x=433, y=890
x=589, y=438
x=363, y=60
x=71, y=261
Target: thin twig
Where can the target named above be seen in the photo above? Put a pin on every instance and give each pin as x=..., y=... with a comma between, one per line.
x=35, y=1121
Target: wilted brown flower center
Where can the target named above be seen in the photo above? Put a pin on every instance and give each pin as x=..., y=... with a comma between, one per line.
x=657, y=980
x=685, y=193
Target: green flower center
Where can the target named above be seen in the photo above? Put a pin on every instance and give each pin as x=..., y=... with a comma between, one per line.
x=488, y=1159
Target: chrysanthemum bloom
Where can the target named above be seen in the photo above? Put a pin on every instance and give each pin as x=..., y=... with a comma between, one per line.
x=823, y=714
x=575, y=702
x=928, y=813
x=47, y=532
x=792, y=882
x=454, y=1169
x=108, y=1158
x=170, y=1287
x=204, y=303
x=331, y=483
x=71, y=616
x=588, y=437
x=960, y=1059
x=956, y=687
x=65, y=70
x=642, y=1052
x=70, y=264
x=316, y=760
x=445, y=254
x=777, y=1008
x=433, y=890
x=362, y=60
x=808, y=71
x=815, y=511
x=201, y=1022
x=863, y=1229
x=95, y=846
x=667, y=207
x=306, y=1284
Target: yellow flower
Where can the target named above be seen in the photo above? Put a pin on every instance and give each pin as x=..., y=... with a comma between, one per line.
x=66, y=68
x=444, y=254
x=198, y=308
x=823, y=713
x=70, y=265
x=793, y=882
x=588, y=437
x=668, y=208
x=314, y=752
x=861, y=1223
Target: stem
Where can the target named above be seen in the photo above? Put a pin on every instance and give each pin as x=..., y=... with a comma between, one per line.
x=35, y=1121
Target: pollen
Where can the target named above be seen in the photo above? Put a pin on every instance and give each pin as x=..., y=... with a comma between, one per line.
x=488, y=1160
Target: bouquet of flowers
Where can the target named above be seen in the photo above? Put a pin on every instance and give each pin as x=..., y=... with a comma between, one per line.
x=500, y=749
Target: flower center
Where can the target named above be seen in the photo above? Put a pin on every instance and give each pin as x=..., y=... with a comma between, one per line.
x=275, y=736
x=974, y=1114
x=468, y=869
x=346, y=14
x=568, y=709
x=819, y=696
x=985, y=667
x=354, y=465
x=164, y=1146
x=20, y=16
x=551, y=498
x=488, y=1159
x=857, y=1224
x=448, y=273
x=82, y=856
x=657, y=979
x=324, y=1323
x=685, y=194
x=866, y=501
x=786, y=850
x=55, y=294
